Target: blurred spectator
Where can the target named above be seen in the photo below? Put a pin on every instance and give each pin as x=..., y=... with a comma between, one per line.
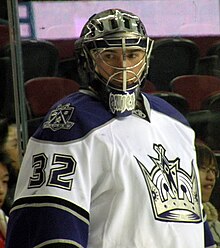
x=3, y=130
x=208, y=171
x=5, y=169
x=9, y=145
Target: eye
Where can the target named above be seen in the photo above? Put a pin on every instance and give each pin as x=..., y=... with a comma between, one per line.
x=132, y=55
x=214, y=171
x=203, y=168
x=5, y=181
x=135, y=55
x=108, y=56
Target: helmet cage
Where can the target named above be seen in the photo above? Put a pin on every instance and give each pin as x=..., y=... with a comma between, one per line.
x=102, y=44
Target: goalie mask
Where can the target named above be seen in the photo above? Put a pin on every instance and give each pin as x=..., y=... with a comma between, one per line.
x=113, y=52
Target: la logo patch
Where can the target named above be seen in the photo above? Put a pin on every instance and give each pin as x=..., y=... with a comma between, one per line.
x=59, y=118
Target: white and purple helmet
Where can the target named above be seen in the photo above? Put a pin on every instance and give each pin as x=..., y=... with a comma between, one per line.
x=114, y=29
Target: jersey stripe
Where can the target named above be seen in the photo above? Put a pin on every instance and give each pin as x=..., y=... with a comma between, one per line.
x=55, y=217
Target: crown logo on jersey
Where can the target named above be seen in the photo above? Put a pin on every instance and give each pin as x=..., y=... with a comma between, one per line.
x=59, y=118
x=173, y=192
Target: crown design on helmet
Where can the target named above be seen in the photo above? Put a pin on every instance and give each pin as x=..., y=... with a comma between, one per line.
x=113, y=21
x=174, y=193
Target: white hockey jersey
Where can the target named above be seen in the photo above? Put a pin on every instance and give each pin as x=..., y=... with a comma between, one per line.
x=89, y=179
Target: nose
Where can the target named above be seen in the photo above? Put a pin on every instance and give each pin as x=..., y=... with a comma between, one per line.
x=121, y=63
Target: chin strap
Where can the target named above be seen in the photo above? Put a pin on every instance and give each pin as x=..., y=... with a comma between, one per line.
x=120, y=104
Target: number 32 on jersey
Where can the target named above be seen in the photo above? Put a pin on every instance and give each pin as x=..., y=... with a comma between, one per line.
x=62, y=168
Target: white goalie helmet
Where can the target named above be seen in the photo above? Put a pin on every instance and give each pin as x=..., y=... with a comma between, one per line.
x=113, y=52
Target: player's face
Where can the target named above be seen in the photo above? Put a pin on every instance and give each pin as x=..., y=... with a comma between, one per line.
x=207, y=179
x=118, y=66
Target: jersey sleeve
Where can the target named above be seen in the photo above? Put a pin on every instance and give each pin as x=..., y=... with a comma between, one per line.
x=52, y=203
x=53, y=193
